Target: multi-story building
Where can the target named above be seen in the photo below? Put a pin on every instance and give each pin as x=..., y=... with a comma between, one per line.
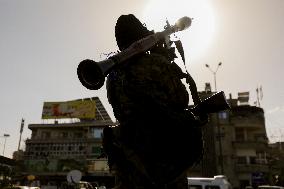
x=250, y=144
x=235, y=145
x=55, y=149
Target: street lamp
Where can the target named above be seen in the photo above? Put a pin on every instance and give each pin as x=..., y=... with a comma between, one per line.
x=217, y=121
x=5, y=136
x=214, y=73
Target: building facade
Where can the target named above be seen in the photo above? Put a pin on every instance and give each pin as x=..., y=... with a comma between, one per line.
x=55, y=149
x=235, y=145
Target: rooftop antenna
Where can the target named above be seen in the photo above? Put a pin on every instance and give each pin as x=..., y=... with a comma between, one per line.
x=21, y=131
x=259, y=94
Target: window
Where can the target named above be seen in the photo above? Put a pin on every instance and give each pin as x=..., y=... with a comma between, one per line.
x=240, y=135
x=78, y=135
x=261, y=158
x=70, y=148
x=223, y=115
x=45, y=135
x=63, y=135
x=252, y=160
x=96, y=150
x=97, y=132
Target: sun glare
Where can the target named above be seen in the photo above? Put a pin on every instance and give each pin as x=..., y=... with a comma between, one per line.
x=197, y=38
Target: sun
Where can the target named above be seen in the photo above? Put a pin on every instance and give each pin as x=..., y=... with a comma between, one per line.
x=198, y=37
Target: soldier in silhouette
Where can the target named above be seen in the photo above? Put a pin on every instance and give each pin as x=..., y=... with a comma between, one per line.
x=158, y=138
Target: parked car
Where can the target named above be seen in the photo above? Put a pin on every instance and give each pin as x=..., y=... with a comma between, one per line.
x=217, y=182
x=85, y=185
x=270, y=187
x=17, y=187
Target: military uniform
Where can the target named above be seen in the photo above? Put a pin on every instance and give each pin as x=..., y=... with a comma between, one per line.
x=149, y=101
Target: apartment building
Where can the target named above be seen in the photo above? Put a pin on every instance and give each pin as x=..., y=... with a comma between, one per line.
x=250, y=144
x=235, y=144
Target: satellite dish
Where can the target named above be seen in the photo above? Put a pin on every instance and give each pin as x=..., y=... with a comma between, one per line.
x=74, y=176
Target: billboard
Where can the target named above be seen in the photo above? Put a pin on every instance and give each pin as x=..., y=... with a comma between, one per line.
x=83, y=109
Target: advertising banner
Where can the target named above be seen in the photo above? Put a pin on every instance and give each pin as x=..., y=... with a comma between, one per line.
x=84, y=109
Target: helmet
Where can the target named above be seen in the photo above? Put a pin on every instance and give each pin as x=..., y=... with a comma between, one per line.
x=129, y=29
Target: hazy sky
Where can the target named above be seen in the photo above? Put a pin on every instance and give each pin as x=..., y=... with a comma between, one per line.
x=43, y=41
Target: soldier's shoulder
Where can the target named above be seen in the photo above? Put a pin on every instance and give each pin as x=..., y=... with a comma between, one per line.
x=152, y=61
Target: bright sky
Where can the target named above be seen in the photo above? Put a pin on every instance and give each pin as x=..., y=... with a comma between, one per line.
x=42, y=43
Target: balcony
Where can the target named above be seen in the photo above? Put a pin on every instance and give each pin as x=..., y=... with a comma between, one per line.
x=248, y=122
x=251, y=168
x=257, y=145
x=62, y=140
